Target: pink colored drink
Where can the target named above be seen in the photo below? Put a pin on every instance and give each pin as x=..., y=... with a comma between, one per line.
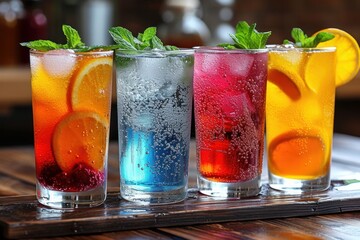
x=229, y=90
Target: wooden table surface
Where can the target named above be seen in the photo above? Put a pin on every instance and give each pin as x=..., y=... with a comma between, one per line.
x=17, y=179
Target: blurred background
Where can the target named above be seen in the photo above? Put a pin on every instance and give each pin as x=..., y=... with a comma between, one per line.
x=185, y=23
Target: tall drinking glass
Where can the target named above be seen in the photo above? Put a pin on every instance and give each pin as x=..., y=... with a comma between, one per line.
x=154, y=92
x=229, y=93
x=299, y=118
x=71, y=99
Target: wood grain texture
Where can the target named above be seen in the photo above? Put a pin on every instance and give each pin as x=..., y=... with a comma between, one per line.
x=23, y=216
x=268, y=216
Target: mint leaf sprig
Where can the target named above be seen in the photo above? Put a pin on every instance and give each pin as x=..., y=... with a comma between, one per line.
x=73, y=41
x=247, y=37
x=303, y=41
x=144, y=41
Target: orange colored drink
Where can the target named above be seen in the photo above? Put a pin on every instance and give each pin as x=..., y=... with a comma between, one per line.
x=71, y=97
x=299, y=117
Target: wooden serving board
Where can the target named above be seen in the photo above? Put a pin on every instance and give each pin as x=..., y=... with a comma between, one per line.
x=23, y=216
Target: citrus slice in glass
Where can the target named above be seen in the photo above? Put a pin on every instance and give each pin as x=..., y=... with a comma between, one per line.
x=320, y=70
x=284, y=72
x=298, y=154
x=347, y=54
x=91, y=89
x=80, y=137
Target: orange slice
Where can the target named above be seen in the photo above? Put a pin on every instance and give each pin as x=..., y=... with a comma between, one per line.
x=296, y=154
x=284, y=83
x=284, y=72
x=347, y=55
x=91, y=89
x=320, y=71
x=80, y=137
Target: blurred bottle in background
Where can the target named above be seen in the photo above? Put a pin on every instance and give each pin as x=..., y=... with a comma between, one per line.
x=182, y=27
x=96, y=19
x=33, y=26
x=218, y=16
x=11, y=11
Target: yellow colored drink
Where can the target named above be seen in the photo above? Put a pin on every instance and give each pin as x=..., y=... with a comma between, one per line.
x=299, y=117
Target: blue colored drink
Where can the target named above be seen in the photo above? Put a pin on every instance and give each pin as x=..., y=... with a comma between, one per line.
x=154, y=91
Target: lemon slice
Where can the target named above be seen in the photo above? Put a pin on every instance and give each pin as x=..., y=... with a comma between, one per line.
x=80, y=137
x=91, y=89
x=347, y=55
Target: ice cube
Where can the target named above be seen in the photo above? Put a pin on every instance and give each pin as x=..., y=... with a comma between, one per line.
x=152, y=69
x=239, y=64
x=209, y=62
x=143, y=121
x=59, y=63
x=160, y=74
x=236, y=104
x=34, y=62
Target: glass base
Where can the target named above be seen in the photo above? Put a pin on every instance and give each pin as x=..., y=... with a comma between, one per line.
x=133, y=194
x=70, y=200
x=299, y=186
x=229, y=190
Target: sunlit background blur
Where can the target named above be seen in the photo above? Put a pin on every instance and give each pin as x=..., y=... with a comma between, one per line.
x=184, y=23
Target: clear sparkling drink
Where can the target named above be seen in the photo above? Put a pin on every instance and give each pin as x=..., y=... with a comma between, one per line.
x=154, y=91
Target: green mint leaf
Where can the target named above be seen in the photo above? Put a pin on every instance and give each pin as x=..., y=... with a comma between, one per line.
x=298, y=35
x=247, y=37
x=226, y=46
x=303, y=41
x=238, y=40
x=123, y=38
x=144, y=41
x=73, y=41
x=171, y=48
x=72, y=37
x=100, y=47
x=149, y=33
x=261, y=39
x=41, y=45
x=323, y=37
x=242, y=27
x=156, y=43
x=288, y=42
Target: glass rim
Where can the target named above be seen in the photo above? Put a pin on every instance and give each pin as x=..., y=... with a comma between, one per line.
x=56, y=53
x=278, y=48
x=213, y=49
x=154, y=52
